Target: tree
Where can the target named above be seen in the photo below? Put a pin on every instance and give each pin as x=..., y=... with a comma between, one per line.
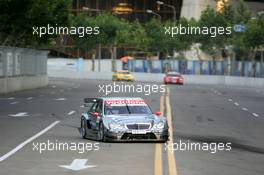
x=158, y=41
x=242, y=17
x=87, y=42
x=254, y=38
x=216, y=43
x=155, y=35
x=18, y=17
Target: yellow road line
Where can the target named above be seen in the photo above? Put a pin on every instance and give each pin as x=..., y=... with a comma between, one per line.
x=158, y=163
x=158, y=166
x=171, y=158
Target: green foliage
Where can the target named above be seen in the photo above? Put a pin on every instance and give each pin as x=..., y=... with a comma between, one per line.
x=213, y=19
x=155, y=35
x=17, y=17
x=254, y=35
x=88, y=41
x=246, y=43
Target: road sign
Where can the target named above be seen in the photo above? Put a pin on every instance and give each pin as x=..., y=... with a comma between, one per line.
x=239, y=28
x=78, y=164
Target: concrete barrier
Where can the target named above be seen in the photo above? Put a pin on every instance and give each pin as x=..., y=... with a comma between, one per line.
x=156, y=77
x=68, y=68
x=22, y=68
x=12, y=84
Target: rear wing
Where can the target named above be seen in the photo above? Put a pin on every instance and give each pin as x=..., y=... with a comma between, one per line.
x=90, y=100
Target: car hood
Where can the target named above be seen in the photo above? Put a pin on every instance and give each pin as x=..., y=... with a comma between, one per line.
x=133, y=118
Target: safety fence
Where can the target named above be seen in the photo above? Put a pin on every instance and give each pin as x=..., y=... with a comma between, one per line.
x=235, y=68
x=22, y=62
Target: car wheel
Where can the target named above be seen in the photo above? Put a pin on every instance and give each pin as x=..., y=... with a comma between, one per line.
x=100, y=135
x=83, y=128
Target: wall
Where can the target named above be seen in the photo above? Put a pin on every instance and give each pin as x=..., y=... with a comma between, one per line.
x=22, y=69
x=65, y=68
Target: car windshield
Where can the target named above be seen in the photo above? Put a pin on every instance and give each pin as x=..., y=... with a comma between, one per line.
x=173, y=75
x=126, y=109
x=123, y=72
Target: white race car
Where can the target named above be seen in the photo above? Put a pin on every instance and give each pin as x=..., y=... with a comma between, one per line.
x=122, y=119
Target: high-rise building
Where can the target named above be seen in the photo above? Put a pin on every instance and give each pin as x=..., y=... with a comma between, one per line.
x=131, y=9
x=194, y=8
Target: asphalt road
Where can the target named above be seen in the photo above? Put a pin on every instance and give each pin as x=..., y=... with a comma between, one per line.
x=198, y=114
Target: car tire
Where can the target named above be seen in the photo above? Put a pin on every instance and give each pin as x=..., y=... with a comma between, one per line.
x=101, y=136
x=83, y=128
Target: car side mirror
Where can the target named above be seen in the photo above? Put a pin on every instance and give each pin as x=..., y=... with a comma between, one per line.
x=158, y=113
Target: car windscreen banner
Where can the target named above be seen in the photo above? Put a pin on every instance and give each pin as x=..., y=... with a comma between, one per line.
x=125, y=103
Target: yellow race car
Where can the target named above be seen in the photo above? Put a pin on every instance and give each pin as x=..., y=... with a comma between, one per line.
x=122, y=75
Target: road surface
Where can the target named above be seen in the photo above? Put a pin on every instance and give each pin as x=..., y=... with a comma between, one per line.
x=196, y=114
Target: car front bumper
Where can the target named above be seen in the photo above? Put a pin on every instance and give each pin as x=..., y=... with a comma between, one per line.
x=127, y=136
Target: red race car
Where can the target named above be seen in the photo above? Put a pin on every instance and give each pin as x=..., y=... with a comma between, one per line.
x=173, y=78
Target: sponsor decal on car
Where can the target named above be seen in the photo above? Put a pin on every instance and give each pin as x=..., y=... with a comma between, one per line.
x=125, y=102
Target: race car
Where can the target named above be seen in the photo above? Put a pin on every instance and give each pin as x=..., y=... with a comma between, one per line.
x=173, y=78
x=122, y=119
x=122, y=75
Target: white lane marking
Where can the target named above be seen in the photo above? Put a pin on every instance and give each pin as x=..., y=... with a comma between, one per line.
x=29, y=98
x=53, y=86
x=21, y=145
x=255, y=115
x=230, y=99
x=237, y=104
x=11, y=98
x=245, y=109
x=72, y=112
x=15, y=102
x=82, y=106
x=78, y=164
x=60, y=99
x=20, y=114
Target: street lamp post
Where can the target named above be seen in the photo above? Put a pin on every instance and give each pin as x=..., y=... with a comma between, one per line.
x=154, y=13
x=170, y=6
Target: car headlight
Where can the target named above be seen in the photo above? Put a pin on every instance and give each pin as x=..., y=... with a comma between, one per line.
x=159, y=126
x=115, y=126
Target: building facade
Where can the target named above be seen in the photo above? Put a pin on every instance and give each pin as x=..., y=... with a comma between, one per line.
x=194, y=8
